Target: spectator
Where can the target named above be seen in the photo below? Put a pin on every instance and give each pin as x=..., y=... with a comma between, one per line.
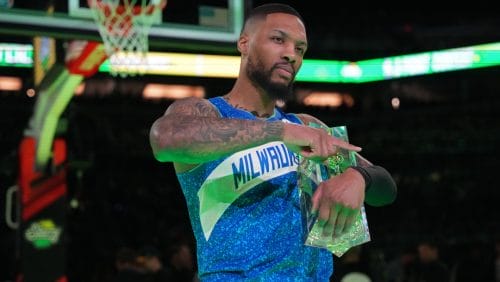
x=476, y=264
x=181, y=260
x=151, y=260
x=129, y=268
x=397, y=269
x=430, y=267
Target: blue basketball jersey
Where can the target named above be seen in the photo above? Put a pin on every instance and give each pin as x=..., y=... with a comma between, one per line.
x=245, y=213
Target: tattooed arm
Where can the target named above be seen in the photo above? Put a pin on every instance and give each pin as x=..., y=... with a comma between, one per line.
x=192, y=132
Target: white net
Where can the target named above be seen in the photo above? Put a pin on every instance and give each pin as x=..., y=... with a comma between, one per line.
x=124, y=27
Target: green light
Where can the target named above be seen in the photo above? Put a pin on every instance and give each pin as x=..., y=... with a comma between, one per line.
x=331, y=71
x=321, y=71
x=486, y=55
x=16, y=55
x=104, y=67
x=426, y=63
x=49, y=107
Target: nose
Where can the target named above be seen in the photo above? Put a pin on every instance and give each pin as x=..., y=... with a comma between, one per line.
x=290, y=58
x=289, y=53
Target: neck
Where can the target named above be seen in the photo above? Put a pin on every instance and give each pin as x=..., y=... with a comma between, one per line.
x=247, y=97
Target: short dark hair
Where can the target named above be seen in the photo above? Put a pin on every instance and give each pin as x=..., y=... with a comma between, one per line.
x=272, y=8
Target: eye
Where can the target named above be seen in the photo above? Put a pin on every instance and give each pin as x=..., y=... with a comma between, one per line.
x=277, y=39
x=300, y=50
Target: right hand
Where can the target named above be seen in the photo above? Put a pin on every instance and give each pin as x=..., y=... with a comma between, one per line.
x=338, y=201
x=313, y=143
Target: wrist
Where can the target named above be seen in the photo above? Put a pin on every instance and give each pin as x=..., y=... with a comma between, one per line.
x=287, y=130
x=364, y=173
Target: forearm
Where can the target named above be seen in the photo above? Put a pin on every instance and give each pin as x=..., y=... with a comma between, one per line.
x=188, y=139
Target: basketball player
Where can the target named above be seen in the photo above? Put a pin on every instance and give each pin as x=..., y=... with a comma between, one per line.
x=235, y=157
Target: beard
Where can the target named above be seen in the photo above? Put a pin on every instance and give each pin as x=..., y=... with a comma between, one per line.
x=261, y=78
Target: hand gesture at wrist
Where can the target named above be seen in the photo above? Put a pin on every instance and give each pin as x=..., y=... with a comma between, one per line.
x=338, y=201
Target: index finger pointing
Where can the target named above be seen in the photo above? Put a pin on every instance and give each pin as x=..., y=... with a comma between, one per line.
x=345, y=145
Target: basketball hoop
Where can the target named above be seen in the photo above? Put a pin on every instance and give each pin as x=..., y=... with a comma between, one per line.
x=124, y=27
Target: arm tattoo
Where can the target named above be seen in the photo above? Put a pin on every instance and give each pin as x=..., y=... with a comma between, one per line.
x=202, y=134
x=192, y=107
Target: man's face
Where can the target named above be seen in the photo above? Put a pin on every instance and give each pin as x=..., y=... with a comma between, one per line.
x=275, y=54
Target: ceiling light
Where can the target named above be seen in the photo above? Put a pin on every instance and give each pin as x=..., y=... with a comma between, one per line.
x=158, y=91
x=10, y=83
x=324, y=99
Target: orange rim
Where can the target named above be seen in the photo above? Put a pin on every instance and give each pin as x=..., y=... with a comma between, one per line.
x=120, y=9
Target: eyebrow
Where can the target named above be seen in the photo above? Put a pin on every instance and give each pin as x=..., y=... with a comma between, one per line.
x=284, y=34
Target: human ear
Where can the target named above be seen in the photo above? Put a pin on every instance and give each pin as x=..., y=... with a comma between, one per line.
x=243, y=42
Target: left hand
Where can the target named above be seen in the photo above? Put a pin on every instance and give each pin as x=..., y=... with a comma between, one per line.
x=338, y=201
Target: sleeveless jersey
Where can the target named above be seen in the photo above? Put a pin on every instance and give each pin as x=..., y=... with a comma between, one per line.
x=245, y=213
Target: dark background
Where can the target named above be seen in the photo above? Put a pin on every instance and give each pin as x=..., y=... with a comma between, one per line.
x=441, y=145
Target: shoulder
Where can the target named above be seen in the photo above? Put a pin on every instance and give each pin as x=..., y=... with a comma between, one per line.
x=192, y=106
x=307, y=118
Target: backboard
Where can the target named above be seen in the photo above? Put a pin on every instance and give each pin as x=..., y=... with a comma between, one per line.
x=183, y=24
